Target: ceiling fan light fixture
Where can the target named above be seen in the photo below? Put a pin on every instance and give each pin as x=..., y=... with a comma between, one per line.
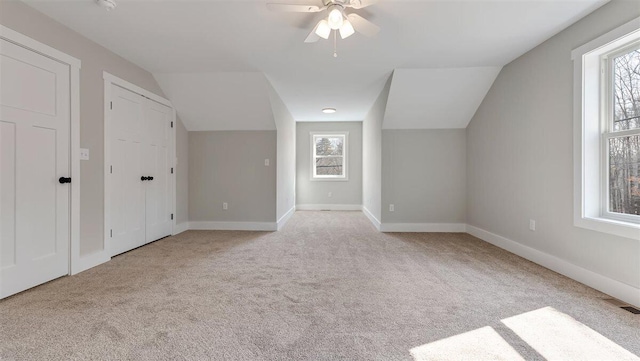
x=346, y=30
x=335, y=18
x=329, y=110
x=323, y=29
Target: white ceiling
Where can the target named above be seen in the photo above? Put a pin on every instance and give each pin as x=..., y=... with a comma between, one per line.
x=204, y=37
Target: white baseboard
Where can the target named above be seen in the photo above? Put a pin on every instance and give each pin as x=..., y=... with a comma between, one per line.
x=423, y=227
x=89, y=261
x=180, y=227
x=328, y=207
x=285, y=218
x=602, y=283
x=372, y=218
x=233, y=226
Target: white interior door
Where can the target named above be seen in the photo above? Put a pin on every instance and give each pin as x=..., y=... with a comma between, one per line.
x=34, y=155
x=127, y=189
x=157, y=163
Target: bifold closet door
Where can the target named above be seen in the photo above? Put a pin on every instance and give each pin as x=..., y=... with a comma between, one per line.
x=34, y=168
x=157, y=165
x=140, y=173
x=127, y=133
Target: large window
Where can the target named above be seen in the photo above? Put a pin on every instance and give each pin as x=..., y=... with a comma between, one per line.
x=621, y=144
x=607, y=132
x=329, y=156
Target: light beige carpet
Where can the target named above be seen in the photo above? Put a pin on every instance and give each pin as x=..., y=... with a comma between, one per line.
x=327, y=287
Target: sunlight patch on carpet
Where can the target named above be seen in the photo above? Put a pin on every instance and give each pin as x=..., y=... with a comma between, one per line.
x=557, y=336
x=481, y=344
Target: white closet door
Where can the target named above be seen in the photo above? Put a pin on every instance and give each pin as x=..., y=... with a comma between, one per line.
x=127, y=189
x=157, y=165
x=34, y=154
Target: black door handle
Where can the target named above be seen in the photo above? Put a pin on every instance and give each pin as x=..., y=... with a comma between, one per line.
x=64, y=180
x=143, y=178
x=149, y=178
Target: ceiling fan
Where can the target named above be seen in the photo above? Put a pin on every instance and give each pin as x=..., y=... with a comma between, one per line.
x=337, y=19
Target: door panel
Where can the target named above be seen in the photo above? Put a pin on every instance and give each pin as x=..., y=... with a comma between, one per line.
x=158, y=210
x=34, y=87
x=42, y=199
x=127, y=190
x=34, y=148
x=8, y=192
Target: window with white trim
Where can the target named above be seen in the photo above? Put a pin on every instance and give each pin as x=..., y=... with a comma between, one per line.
x=607, y=132
x=329, y=156
x=621, y=136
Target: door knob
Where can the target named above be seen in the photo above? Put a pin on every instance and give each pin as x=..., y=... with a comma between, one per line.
x=64, y=180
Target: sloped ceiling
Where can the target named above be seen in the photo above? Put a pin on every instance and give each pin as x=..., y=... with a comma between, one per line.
x=200, y=37
x=220, y=101
x=436, y=98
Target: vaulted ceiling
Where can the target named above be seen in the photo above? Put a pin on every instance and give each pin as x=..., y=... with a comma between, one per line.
x=222, y=48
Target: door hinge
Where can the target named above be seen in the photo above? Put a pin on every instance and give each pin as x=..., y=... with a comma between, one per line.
x=171, y=170
x=111, y=169
x=111, y=105
x=171, y=124
x=111, y=233
x=171, y=215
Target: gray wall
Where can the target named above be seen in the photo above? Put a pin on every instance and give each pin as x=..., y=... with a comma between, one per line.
x=228, y=166
x=424, y=176
x=95, y=59
x=182, y=173
x=286, y=154
x=372, y=154
x=316, y=192
x=520, y=155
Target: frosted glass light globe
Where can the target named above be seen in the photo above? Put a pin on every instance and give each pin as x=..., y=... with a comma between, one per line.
x=335, y=19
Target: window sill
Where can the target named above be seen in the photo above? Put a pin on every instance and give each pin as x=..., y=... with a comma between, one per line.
x=610, y=226
x=329, y=179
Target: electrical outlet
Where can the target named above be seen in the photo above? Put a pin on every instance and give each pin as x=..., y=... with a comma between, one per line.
x=225, y=206
x=532, y=224
x=266, y=162
x=330, y=194
x=84, y=154
x=392, y=208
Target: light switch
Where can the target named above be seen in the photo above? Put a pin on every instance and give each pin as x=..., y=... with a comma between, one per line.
x=266, y=162
x=84, y=154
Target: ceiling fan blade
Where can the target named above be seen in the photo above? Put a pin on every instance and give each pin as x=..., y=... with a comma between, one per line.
x=362, y=25
x=293, y=8
x=313, y=37
x=359, y=4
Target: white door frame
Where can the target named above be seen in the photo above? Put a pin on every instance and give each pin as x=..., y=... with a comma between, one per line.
x=75, y=261
x=109, y=81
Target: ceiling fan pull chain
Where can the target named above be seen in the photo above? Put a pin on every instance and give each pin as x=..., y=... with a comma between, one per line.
x=335, y=43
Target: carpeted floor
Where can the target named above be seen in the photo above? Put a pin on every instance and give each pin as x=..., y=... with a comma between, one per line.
x=327, y=287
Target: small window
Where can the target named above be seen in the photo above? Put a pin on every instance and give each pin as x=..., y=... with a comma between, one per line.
x=329, y=156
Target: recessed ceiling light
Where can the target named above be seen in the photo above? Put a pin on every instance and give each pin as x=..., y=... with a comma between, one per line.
x=329, y=110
